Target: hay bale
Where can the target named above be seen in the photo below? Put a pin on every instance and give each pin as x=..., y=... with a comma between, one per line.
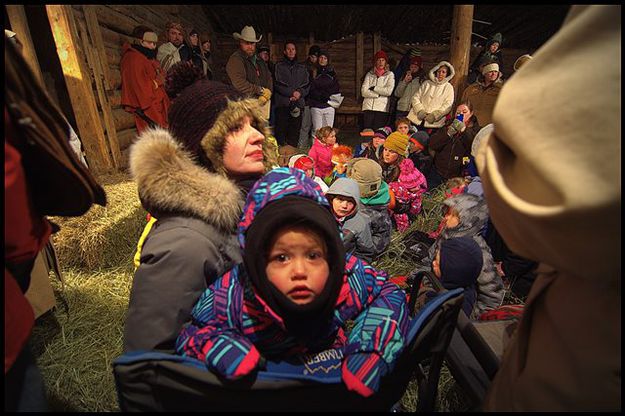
x=103, y=237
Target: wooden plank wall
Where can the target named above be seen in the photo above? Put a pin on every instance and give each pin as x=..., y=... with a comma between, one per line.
x=116, y=23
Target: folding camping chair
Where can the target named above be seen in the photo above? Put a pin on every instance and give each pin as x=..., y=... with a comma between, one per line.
x=471, y=359
x=155, y=381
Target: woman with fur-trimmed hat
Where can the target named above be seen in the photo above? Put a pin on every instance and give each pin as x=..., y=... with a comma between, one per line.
x=376, y=89
x=193, y=178
x=434, y=98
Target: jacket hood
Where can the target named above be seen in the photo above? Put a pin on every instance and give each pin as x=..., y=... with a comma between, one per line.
x=346, y=187
x=473, y=213
x=170, y=182
x=432, y=73
x=275, y=185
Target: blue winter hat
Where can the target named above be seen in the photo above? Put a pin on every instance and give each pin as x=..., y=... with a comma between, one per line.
x=460, y=262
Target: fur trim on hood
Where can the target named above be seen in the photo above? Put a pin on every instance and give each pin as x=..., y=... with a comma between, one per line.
x=214, y=140
x=171, y=182
x=450, y=75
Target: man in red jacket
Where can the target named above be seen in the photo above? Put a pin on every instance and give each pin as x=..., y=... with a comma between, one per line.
x=143, y=93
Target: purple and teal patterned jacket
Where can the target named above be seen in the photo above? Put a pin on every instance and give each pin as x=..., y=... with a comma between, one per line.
x=232, y=327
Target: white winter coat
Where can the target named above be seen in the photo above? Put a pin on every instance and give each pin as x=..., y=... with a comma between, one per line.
x=378, y=99
x=434, y=97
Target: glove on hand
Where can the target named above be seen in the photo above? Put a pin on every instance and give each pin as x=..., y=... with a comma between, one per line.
x=421, y=114
x=265, y=96
x=430, y=118
x=455, y=127
x=363, y=371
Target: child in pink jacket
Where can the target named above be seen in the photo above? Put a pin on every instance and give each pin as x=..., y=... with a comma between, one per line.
x=321, y=150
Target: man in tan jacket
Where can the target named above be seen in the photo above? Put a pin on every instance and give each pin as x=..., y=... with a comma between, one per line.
x=554, y=193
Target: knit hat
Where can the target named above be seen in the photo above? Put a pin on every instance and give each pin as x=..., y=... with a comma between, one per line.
x=420, y=139
x=194, y=32
x=383, y=132
x=314, y=50
x=324, y=53
x=461, y=261
x=368, y=174
x=416, y=60
x=494, y=66
x=150, y=37
x=293, y=159
x=264, y=48
x=304, y=163
x=397, y=142
x=204, y=112
x=408, y=174
x=380, y=54
x=496, y=38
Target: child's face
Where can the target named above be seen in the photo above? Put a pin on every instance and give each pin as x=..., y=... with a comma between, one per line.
x=309, y=173
x=342, y=206
x=413, y=148
x=436, y=264
x=403, y=128
x=452, y=219
x=331, y=138
x=389, y=156
x=297, y=264
x=377, y=141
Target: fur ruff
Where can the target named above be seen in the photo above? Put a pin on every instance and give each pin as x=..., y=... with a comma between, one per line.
x=214, y=141
x=169, y=180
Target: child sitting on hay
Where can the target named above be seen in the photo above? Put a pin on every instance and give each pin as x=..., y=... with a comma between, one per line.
x=295, y=292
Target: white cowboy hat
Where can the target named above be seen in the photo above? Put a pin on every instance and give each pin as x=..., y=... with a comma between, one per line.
x=248, y=34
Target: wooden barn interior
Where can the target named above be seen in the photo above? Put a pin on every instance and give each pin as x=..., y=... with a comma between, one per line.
x=75, y=50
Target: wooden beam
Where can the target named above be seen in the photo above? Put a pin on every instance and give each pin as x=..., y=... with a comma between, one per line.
x=360, y=55
x=460, y=46
x=96, y=65
x=93, y=27
x=377, y=42
x=19, y=25
x=78, y=82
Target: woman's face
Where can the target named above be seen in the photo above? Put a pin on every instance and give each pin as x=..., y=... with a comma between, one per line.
x=195, y=39
x=464, y=110
x=378, y=141
x=389, y=156
x=243, y=153
x=414, y=68
x=323, y=60
x=380, y=63
x=441, y=73
x=493, y=47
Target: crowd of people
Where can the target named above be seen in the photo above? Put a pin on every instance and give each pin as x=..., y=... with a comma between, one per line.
x=245, y=260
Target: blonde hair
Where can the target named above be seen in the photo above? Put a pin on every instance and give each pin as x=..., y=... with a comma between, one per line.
x=324, y=132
